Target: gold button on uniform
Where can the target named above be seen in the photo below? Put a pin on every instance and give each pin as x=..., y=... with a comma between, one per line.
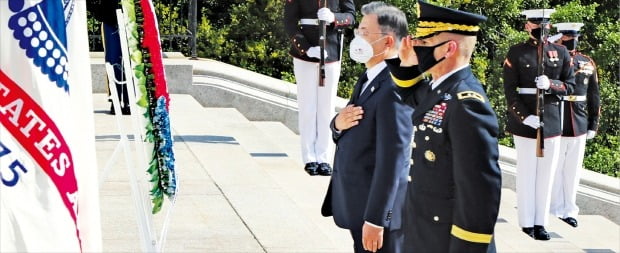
x=429, y=155
x=436, y=218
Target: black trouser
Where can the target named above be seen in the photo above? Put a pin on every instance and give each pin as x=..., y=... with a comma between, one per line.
x=114, y=57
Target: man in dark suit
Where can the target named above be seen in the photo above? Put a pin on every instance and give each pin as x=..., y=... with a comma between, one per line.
x=372, y=136
x=315, y=102
x=453, y=196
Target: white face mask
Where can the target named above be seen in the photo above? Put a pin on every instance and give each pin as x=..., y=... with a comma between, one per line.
x=361, y=51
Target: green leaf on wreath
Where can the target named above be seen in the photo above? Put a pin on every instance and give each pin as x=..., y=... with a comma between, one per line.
x=143, y=102
x=157, y=203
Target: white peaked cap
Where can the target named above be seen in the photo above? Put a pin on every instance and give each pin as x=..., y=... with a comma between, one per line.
x=538, y=14
x=568, y=26
x=554, y=38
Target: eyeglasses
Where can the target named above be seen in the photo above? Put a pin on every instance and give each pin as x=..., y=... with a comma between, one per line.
x=364, y=33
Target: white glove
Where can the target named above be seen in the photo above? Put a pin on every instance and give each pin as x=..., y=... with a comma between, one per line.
x=326, y=15
x=532, y=121
x=315, y=52
x=542, y=82
x=590, y=135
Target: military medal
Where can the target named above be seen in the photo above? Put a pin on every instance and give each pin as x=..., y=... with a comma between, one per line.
x=553, y=56
x=435, y=116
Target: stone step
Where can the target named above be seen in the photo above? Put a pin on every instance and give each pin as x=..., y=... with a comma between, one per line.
x=510, y=238
x=287, y=140
x=279, y=222
x=203, y=218
x=588, y=237
x=307, y=191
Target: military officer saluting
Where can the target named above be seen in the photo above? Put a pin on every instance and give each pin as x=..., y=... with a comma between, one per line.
x=315, y=102
x=453, y=196
x=581, y=111
x=521, y=81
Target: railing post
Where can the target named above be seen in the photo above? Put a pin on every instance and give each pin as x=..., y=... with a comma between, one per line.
x=193, y=12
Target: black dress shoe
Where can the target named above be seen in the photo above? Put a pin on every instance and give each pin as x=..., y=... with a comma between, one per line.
x=125, y=110
x=529, y=231
x=325, y=169
x=312, y=168
x=112, y=110
x=540, y=233
x=571, y=221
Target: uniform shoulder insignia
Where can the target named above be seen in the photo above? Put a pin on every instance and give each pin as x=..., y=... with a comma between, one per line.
x=470, y=94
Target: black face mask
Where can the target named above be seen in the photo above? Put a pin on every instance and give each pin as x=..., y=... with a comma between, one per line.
x=570, y=44
x=426, y=57
x=536, y=33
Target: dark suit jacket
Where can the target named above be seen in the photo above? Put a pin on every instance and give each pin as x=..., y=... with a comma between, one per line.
x=372, y=160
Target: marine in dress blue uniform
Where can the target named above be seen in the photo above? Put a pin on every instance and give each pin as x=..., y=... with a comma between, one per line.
x=316, y=103
x=581, y=112
x=454, y=189
x=372, y=136
x=521, y=80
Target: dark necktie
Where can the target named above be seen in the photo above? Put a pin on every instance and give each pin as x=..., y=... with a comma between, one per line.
x=359, y=85
x=430, y=88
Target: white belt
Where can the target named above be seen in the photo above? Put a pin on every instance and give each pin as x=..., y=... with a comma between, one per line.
x=309, y=21
x=574, y=98
x=529, y=91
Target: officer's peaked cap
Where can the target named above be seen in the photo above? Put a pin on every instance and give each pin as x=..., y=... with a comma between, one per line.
x=434, y=19
x=569, y=28
x=538, y=15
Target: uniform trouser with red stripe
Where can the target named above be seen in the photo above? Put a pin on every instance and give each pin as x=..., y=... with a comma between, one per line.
x=567, y=175
x=316, y=108
x=535, y=179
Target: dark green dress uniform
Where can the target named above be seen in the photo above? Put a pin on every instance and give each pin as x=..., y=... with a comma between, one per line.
x=301, y=25
x=520, y=72
x=454, y=189
x=581, y=114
